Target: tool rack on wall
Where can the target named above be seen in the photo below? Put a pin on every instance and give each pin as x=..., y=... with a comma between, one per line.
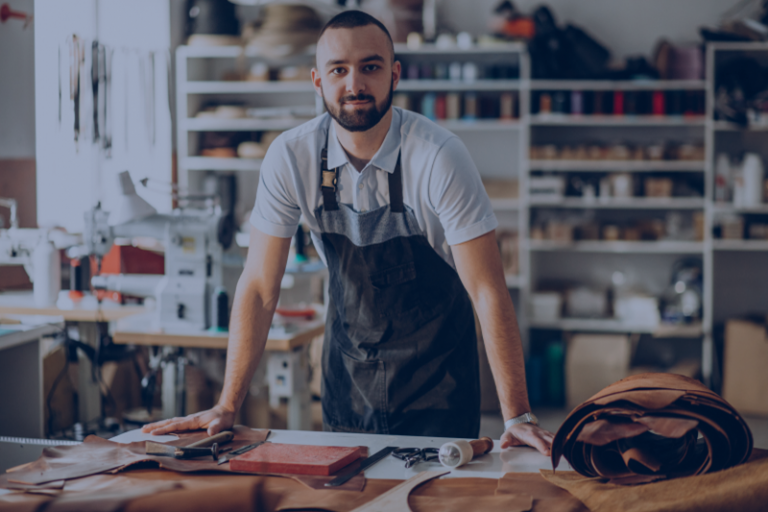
x=502, y=149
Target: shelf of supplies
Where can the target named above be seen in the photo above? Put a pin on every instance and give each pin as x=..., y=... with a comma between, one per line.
x=726, y=126
x=609, y=120
x=244, y=87
x=633, y=203
x=617, y=85
x=617, y=165
x=614, y=325
x=203, y=124
x=207, y=163
x=601, y=246
x=224, y=52
x=457, y=85
x=740, y=245
x=489, y=125
x=730, y=208
x=514, y=281
x=430, y=49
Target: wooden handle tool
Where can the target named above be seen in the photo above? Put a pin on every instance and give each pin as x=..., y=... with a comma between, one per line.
x=459, y=452
x=220, y=438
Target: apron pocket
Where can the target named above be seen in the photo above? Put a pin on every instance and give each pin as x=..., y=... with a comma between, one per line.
x=355, y=397
x=394, y=275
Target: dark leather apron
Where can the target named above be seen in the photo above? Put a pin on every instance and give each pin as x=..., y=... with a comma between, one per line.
x=400, y=353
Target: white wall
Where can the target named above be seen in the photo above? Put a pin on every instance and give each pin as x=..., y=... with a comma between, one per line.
x=627, y=27
x=73, y=176
x=17, y=92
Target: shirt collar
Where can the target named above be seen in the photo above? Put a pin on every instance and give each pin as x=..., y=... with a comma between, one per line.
x=384, y=159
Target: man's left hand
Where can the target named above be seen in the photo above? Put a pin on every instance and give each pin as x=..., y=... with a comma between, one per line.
x=528, y=434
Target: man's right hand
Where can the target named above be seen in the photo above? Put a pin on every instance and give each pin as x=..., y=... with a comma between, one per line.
x=215, y=420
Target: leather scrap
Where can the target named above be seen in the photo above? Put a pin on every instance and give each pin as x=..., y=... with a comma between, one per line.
x=743, y=488
x=97, y=456
x=652, y=426
x=396, y=499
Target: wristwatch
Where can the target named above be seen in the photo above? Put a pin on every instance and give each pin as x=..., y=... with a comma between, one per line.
x=528, y=417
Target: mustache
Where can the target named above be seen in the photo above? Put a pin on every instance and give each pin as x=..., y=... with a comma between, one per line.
x=357, y=97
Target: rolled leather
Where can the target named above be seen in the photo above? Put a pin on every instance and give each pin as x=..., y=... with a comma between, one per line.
x=652, y=426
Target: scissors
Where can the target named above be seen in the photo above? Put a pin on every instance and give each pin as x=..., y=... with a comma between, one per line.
x=412, y=456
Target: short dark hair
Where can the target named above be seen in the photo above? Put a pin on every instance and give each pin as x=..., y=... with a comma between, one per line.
x=354, y=19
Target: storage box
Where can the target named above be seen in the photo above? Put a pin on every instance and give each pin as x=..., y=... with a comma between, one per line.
x=593, y=362
x=584, y=302
x=546, y=306
x=745, y=367
x=658, y=187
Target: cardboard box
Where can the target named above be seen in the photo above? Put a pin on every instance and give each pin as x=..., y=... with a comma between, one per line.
x=593, y=362
x=745, y=367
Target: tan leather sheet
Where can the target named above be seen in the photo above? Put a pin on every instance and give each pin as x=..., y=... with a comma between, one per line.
x=743, y=488
x=650, y=427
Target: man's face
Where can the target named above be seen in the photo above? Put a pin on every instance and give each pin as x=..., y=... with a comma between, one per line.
x=356, y=76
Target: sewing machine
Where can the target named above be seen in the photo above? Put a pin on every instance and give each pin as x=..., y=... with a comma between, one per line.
x=194, y=241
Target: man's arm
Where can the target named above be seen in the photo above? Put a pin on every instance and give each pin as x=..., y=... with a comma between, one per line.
x=478, y=263
x=258, y=290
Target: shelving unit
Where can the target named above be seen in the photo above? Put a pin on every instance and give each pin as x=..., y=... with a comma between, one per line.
x=480, y=135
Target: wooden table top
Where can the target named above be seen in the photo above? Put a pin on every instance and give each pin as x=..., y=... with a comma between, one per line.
x=23, y=303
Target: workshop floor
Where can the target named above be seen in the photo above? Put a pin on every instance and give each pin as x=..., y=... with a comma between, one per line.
x=492, y=425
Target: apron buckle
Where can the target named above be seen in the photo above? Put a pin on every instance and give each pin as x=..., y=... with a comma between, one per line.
x=329, y=180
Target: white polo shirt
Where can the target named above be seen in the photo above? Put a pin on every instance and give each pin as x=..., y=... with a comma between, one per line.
x=441, y=184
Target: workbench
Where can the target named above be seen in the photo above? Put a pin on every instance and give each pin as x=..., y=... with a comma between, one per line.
x=463, y=489
x=287, y=364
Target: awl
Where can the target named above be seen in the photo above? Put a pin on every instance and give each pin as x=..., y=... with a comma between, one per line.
x=365, y=464
x=239, y=451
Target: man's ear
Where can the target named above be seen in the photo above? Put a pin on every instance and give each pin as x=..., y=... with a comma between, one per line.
x=396, y=72
x=317, y=82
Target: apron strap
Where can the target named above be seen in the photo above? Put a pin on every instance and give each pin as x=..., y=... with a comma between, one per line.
x=328, y=180
x=396, y=189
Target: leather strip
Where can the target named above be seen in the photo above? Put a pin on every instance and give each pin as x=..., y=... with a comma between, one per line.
x=652, y=426
x=395, y=181
x=396, y=499
x=328, y=180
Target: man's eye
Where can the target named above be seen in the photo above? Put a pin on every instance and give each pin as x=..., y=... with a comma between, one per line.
x=371, y=67
x=337, y=71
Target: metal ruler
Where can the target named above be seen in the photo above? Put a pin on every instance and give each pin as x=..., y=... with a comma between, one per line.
x=396, y=499
x=38, y=442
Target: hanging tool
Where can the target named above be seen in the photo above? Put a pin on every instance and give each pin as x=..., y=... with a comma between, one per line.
x=459, y=452
x=239, y=451
x=95, y=87
x=6, y=13
x=365, y=464
x=106, y=68
x=76, y=59
x=202, y=448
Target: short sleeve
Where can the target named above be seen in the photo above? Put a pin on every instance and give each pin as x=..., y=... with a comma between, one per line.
x=458, y=196
x=276, y=211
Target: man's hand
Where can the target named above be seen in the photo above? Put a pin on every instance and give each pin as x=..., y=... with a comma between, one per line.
x=528, y=434
x=215, y=420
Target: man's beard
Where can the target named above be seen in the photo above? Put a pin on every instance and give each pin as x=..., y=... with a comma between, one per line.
x=360, y=120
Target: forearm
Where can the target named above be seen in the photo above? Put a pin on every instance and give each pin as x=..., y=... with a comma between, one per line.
x=252, y=312
x=501, y=336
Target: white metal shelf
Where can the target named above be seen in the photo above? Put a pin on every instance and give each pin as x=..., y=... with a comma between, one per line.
x=726, y=126
x=740, y=245
x=618, y=165
x=491, y=125
x=633, y=203
x=618, y=121
x=431, y=49
x=617, y=85
x=618, y=247
x=457, y=85
x=245, y=87
x=730, y=208
x=207, y=163
x=202, y=124
x=231, y=52
x=615, y=325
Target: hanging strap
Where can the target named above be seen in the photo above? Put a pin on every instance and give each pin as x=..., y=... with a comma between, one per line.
x=396, y=189
x=329, y=182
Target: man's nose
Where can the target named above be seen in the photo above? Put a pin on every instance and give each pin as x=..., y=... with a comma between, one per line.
x=355, y=82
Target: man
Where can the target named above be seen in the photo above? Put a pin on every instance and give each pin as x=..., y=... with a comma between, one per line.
x=398, y=212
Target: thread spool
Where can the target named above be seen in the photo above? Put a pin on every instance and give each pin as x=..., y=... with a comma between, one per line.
x=459, y=452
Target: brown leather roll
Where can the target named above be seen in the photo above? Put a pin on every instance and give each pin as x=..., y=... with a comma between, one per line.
x=652, y=426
